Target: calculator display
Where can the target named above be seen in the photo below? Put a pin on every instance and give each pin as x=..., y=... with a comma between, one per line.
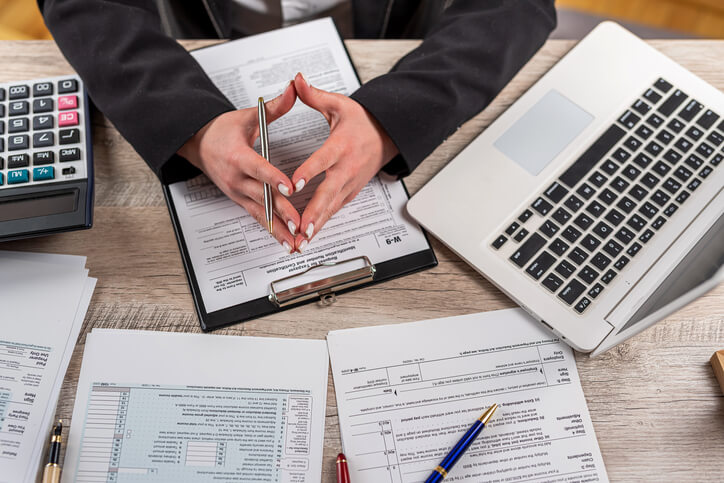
x=47, y=204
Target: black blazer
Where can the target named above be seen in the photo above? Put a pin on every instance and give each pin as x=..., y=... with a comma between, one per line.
x=157, y=96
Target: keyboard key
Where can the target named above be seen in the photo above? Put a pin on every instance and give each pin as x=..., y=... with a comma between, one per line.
x=523, y=216
x=18, y=92
x=18, y=176
x=597, y=179
x=583, y=221
x=632, y=143
x=541, y=265
x=705, y=150
x=571, y=234
x=706, y=171
x=602, y=230
x=694, y=133
x=600, y=261
x=662, y=85
x=526, y=251
x=695, y=183
x=670, y=210
x=69, y=136
x=42, y=89
x=652, y=96
x=664, y=137
x=648, y=210
x=609, y=167
x=19, y=108
x=626, y=204
x=582, y=305
x=552, y=282
x=621, y=155
x=595, y=291
x=561, y=216
x=629, y=119
x=608, y=276
x=542, y=206
x=573, y=203
x=499, y=242
x=620, y=263
x=625, y=236
x=521, y=235
x=619, y=184
x=636, y=223
x=683, y=196
x=682, y=173
x=565, y=269
x=672, y=156
x=719, y=127
x=654, y=148
x=631, y=172
x=590, y=243
x=715, y=161
x=16, y=143
x=585, y=191
x=42, y=122
x=18, y=161
x=69, y=154
x=607, y=196
x=577, y=256
x=675, y=125
x=649, y=180
x=556, y=192
x=660, y=198
x=671, y=185
x=707, y=119
x=558, y=246
x=43, y=173
x=67, y=86
x=646, y=236
x=66, y=119
x=633, y=249
x=511, y=229
x=588, y=274
x=548, y=228
x=43, y=157
x=595, y=208
x=592, y=156
x=43, y=139
x=672, y=102
x=658, y=222
x=42, y=105
x=662, y=168
x=614, y=217
x=20, y=124
x=572, y=291
x=654, y=121
x=715, y=138
x=643, y=132
x=691, y=109
x=641, y=107
x=694, y=161
x=642, y=160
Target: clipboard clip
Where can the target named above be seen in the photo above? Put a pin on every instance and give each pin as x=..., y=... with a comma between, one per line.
x=303, y=286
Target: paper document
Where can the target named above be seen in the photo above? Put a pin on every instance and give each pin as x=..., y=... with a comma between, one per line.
x=44, y=299
x=407, y=393
x=234, y=258
x=166, y=407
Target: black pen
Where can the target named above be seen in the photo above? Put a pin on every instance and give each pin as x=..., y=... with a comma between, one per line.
x=51, y=473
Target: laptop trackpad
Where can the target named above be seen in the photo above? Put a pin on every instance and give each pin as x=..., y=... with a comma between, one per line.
x=543, y=132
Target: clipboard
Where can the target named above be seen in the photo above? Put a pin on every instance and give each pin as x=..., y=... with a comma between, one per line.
x=319, y=283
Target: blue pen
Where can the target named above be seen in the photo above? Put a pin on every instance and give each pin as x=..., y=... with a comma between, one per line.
x=440, y=473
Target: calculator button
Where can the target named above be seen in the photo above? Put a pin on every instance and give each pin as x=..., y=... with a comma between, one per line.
x=68, y=170
x=43, y=157
x=42, y=105
x=42, y=89
x=2, y=110
x=68, y=119
x=19, y=108
x=2, y=145
x=43, y=139
x=1, y=179
x=67, y=85
x=69, y=136
x=18, y=176
x=19, y=124
x=18, y=92
x=67, y=102
x=18, y=161
x=2, y=93
x=16, y=143
x=42, y=122
x=69, y=154
x=43, y=173
x=2, y=163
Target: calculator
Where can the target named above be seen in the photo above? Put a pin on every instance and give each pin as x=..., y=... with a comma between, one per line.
x=46, y=157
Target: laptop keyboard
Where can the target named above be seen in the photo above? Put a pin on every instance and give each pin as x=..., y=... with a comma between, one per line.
x=604, y=209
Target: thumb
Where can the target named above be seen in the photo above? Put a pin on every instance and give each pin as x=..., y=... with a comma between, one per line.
x=281, y=104
x=318, y=99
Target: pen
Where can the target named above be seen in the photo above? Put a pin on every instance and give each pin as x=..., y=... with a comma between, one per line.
x=440, y=473
x=342, y=469
x=51, y=473
x=264, y=138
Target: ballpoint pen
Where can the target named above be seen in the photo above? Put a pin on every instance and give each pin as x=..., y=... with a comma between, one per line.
x=264, y=139
x=440, y=473
x=342, y=469
x=51, y=472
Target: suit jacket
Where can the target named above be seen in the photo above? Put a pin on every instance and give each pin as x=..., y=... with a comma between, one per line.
x=158, y=96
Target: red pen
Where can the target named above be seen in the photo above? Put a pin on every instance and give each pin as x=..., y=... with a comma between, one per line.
x=342, y=470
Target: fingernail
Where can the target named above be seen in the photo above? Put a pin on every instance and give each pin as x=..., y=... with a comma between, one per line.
x=303, y=245
x=283, y=189
x=287, y=247
x=292, y=227
x=310, y=230
x=300, y=184
x=305, y=80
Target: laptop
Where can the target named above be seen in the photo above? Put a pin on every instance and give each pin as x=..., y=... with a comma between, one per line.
x=595, y=201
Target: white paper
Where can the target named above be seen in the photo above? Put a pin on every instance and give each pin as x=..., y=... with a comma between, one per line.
x=44, y=299
x=234, y=258
x=168, y=407
x=407, y=393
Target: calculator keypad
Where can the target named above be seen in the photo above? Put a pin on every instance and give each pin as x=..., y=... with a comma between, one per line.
x=42, y=131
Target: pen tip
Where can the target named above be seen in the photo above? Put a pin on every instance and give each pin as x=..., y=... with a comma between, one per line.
x=261, y=100
x=488, y=414
x=58, y=428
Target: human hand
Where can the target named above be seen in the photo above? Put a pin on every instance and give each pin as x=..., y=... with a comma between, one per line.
x=357, y=148
x=223, y=150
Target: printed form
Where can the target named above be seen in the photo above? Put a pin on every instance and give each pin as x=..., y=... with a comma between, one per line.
x=407, y=393
x=234, y=258
x=165, y=407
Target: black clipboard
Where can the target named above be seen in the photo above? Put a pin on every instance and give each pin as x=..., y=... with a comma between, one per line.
x=361, y=274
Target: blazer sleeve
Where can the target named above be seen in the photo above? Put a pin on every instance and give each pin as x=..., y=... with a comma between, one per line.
x=153, y=91
x=469, y=55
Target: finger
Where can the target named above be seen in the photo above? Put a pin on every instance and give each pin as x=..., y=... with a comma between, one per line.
x=281, y=104
x=253, y=189
x=280, y=231
x=327, y=200
x=318, y=99
x=320, y=161
x=254, y=166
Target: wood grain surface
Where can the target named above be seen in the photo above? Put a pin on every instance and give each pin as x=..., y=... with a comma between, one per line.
x=655, y=403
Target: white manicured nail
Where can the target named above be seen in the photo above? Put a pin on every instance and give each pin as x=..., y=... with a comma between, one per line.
x=292, y=227
x=303, y=245
x=283, y=189
x=305, y=79
x=300, y=184
x=310, y=230
x=287, y=247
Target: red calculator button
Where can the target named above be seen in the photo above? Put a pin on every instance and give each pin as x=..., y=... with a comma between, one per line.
x=67, y=119
x=67, y=102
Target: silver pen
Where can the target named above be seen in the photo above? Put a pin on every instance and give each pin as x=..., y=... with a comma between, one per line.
x=264, y=138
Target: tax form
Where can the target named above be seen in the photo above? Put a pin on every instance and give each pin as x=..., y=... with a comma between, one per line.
x=233, y=257
x=168, y=407
x=406, y=394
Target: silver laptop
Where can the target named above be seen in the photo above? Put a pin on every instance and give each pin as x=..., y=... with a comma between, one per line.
x=595, y=201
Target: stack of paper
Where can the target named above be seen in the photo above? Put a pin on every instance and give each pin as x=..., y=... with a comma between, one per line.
x=43, y=301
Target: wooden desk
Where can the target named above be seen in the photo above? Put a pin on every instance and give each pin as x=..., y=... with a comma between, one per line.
x=654, y=401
